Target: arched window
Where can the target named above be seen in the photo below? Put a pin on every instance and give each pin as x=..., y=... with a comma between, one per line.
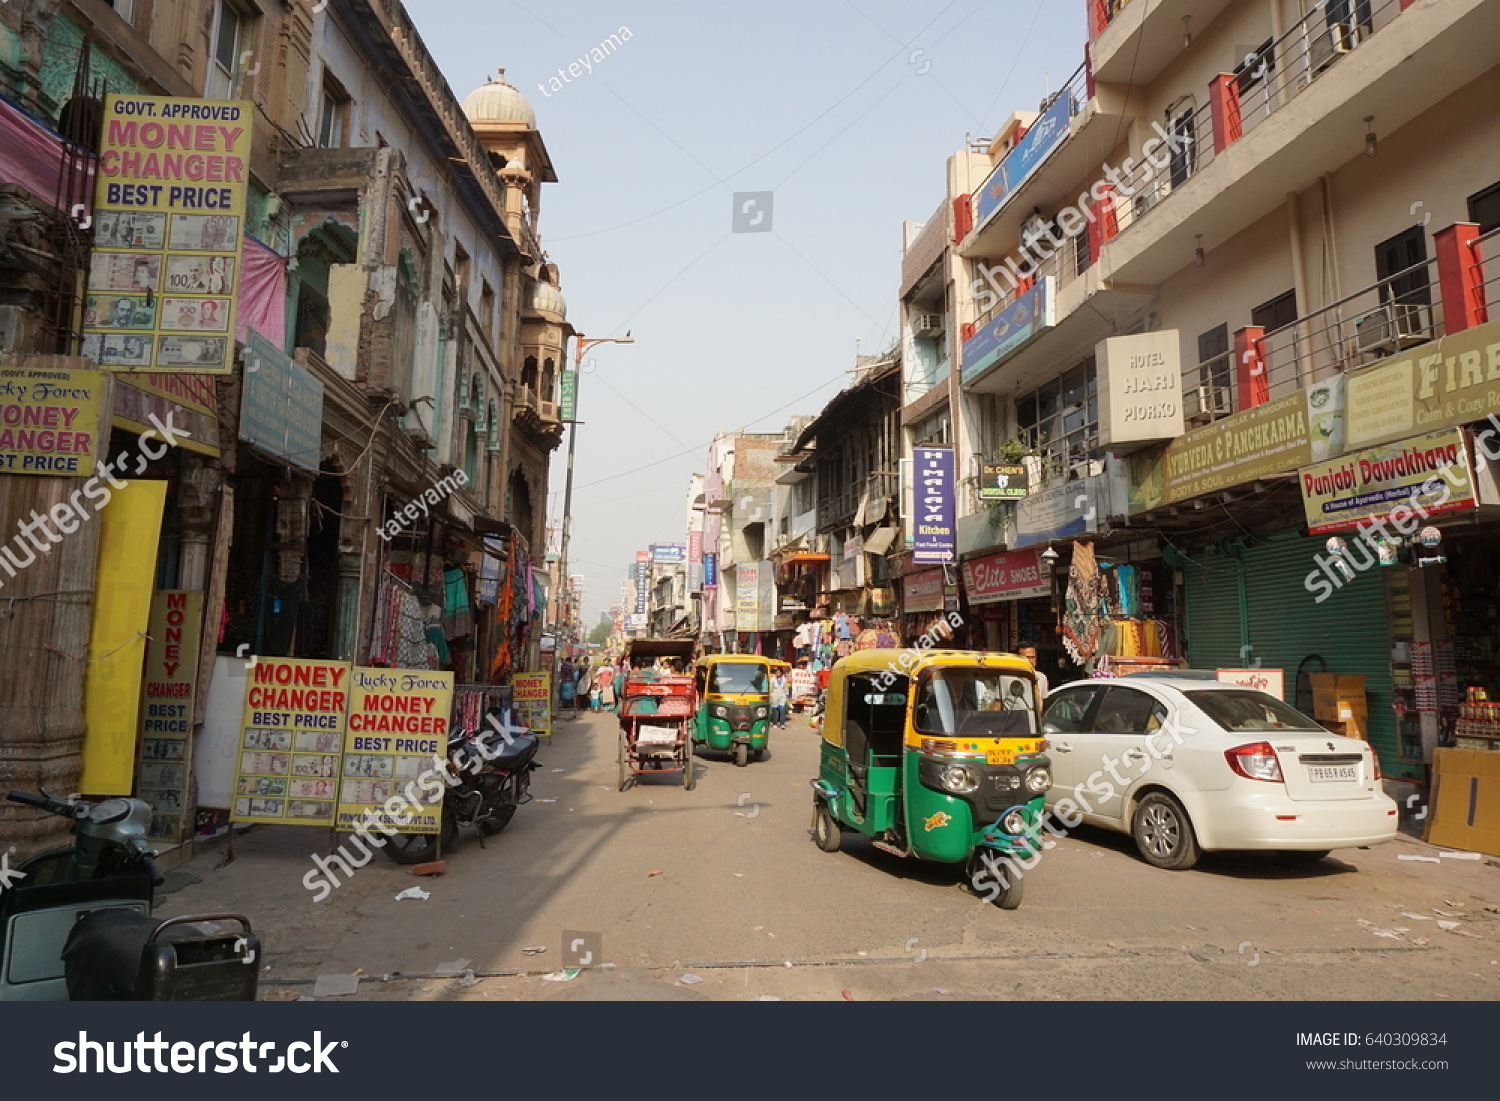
x=528, y=374
x=494, y=423
x=549, y=378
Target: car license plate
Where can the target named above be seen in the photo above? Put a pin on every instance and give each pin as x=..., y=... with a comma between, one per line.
x=1000, y=756
x=1332, y=774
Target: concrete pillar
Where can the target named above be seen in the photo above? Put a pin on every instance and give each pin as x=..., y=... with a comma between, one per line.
x=1460, y=277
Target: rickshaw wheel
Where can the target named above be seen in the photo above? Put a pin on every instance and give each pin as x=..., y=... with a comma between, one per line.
x=624, y=766
x=826, y=831
x=741, y=754
x=1010, y=895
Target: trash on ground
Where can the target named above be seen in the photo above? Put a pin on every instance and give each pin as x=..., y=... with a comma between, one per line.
x=652, y=872
x=1423, y=859
x=1414, y=917
x=690, y=980
x=1453, y=855
x=468, y=979
x=848, y=997
x=413, y=892
x=535, y=950
x=559, y=770
x=435, y=867
x=768, y=998
x=547, y=800
x=562, y=976
x=335, y=986
x=1447, y=925
x=453, y=967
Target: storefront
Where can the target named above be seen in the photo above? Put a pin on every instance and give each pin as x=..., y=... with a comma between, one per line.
x=1009, y=598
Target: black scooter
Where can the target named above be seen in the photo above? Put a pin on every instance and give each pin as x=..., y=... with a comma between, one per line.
x=76, y=924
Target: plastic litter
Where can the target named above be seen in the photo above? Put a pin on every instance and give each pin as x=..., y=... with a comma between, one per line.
x=537, y=950
x=768, y=998
x=1447, y=925
x=1460, y=855
x=690, y=980
x=848, y=997
x=1414, y=917
x=547, y=800
x=468, y=979
x=654, y=871
x=562, y=976
x=413, y=892
x=453, y=967
x=559, y=770
x=1423, y=859
x=335, y=986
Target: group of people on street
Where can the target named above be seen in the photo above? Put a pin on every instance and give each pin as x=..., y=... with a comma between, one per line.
x=599, y=686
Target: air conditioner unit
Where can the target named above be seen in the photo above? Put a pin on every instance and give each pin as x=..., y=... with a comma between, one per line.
x=1205, y=403
x=927, y=323
x=1146, y=198
x=1393, y=326
x=1033, y=227
x=1327, y=46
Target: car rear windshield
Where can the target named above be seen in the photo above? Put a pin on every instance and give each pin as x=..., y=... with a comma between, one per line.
x=739, y=677
x=1243, y=710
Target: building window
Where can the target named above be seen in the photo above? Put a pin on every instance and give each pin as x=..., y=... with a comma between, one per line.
x=1184, y=153
x=1059, y=420
x=333, y=115
x=224, y=54
x=936, y=429
x=125, y=9
x=487, y=310
x=1278, y=313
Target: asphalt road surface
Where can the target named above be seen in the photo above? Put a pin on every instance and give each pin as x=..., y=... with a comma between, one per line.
x=723, y=887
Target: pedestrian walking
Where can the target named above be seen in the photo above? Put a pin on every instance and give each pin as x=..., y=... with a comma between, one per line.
x=779, y=690
x=567, y=688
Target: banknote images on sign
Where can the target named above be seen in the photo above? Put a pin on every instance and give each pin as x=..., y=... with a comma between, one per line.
x=169, y=210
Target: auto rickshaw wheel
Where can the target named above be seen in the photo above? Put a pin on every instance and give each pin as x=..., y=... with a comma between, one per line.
x=741, y=753
x=826, y=830
x=757, y=754
x=1009, y=889
x=689, y=767
x=625, y=773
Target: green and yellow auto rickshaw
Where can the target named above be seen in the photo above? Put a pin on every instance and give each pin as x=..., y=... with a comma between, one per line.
x=937, y=755
x=734, y=705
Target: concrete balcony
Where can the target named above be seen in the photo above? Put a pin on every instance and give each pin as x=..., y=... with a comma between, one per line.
x=1136, y=40
x=1304, y=119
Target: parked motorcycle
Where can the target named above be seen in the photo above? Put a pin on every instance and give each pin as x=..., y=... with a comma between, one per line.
x=489, y=776
x=76, y=924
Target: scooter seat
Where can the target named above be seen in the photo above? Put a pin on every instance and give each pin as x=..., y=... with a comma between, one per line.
x=106, y=959
x=515, y=754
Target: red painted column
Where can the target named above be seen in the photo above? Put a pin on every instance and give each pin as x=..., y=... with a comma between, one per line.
x=963, y=218
x=1406, y=4
x=1106, y=222
x=1251, y=385
x=1088, y=70
x=1460, y=277
x=1224, y=106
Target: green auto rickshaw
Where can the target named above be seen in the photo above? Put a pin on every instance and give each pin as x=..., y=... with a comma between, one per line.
x=734, y=705
x=937, y=755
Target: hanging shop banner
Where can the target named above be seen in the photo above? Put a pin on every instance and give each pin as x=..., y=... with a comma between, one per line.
x=669, y=554
x=1014, y=575
x=397, y=735
x=1046, y=133
x=169, y=211
x=1441, y=384
x=185, y=401
x=711, y=570
x=1269, y=440
x=922, y=592
x=281, y=407
x=568, y=389
x=1414, y=477
x=933, y=512
x=167, y=704
x=291, y=742
x=695, y=561
x=51, y=421
x=747, y=594
x=532, y=701
x=642, y=590
x=1028, y=316
x=1003, y=483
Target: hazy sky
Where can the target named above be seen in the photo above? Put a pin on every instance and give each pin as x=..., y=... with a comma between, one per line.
x=826, y=103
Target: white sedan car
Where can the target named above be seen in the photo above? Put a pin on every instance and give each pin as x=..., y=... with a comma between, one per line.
x=1188, y=766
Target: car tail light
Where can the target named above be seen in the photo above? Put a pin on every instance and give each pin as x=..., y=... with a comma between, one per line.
x=1255, y=762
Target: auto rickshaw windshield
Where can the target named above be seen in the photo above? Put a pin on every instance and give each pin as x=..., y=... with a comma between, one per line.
x=976, y=702
x=739, y=678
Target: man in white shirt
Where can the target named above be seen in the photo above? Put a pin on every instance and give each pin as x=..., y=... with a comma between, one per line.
x=1028, y=651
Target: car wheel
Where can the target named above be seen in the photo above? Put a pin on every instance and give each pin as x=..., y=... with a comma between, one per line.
x=825, y=830
x=1163, y=833
x=1300, y=859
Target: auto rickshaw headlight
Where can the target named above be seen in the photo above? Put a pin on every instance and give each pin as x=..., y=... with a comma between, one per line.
x=762, y=712
x=1014, y=823
x=721, y=712
x=1039, y=780
x=959, y=779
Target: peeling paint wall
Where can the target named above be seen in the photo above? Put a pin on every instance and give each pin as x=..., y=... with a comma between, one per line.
x=346, y=296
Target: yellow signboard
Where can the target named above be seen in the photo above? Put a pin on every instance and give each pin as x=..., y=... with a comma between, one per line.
x=1411, y=479
x=1441, y=384
x=533, y=702
x=395, y=749
x=291, y=742
x=50, y=420
x=167, y=708
x=169, y=212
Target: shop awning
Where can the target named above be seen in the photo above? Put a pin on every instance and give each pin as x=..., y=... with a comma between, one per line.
x=881, y=540
x=805, y=557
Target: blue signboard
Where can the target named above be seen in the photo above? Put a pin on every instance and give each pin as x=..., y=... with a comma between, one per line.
x=642, y=572
x=934, y=519
x=1046, y=133
x=281, y=407
x=671, y=554
x=1008, y=330
x=710, y=570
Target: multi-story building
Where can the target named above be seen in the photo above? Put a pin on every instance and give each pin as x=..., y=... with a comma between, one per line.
x=393, y=297
x=1221, y=288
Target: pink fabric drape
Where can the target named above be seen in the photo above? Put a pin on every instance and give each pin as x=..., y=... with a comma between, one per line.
x=31, y=155
x=262, y=300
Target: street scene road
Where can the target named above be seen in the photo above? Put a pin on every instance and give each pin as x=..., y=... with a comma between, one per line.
x=722, y=884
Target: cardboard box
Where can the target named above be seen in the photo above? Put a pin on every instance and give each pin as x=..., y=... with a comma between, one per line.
x=1465, y=803
x=1339, y=698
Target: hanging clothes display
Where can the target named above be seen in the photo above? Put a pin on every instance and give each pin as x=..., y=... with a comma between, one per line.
x=1083, y=615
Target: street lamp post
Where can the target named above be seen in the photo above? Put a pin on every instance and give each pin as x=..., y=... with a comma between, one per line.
x=564, y=581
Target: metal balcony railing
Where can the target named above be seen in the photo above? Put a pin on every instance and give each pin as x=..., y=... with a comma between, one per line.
x=1188, y=149
x=1488, y=272
x=1208, y=390
x=1102, y=13
x=1398, y=312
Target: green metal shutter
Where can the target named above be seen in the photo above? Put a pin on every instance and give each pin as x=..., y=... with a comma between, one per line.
x=1214, y=585
x=1348, y=629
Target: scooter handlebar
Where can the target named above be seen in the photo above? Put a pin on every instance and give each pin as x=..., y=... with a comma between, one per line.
x=49, y=804
x=147, y=859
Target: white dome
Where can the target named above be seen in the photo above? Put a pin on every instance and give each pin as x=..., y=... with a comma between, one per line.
x=545, y=298
x=499, y=101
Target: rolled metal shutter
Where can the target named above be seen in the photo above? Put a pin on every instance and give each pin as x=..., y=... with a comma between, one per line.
x=1214, y=584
